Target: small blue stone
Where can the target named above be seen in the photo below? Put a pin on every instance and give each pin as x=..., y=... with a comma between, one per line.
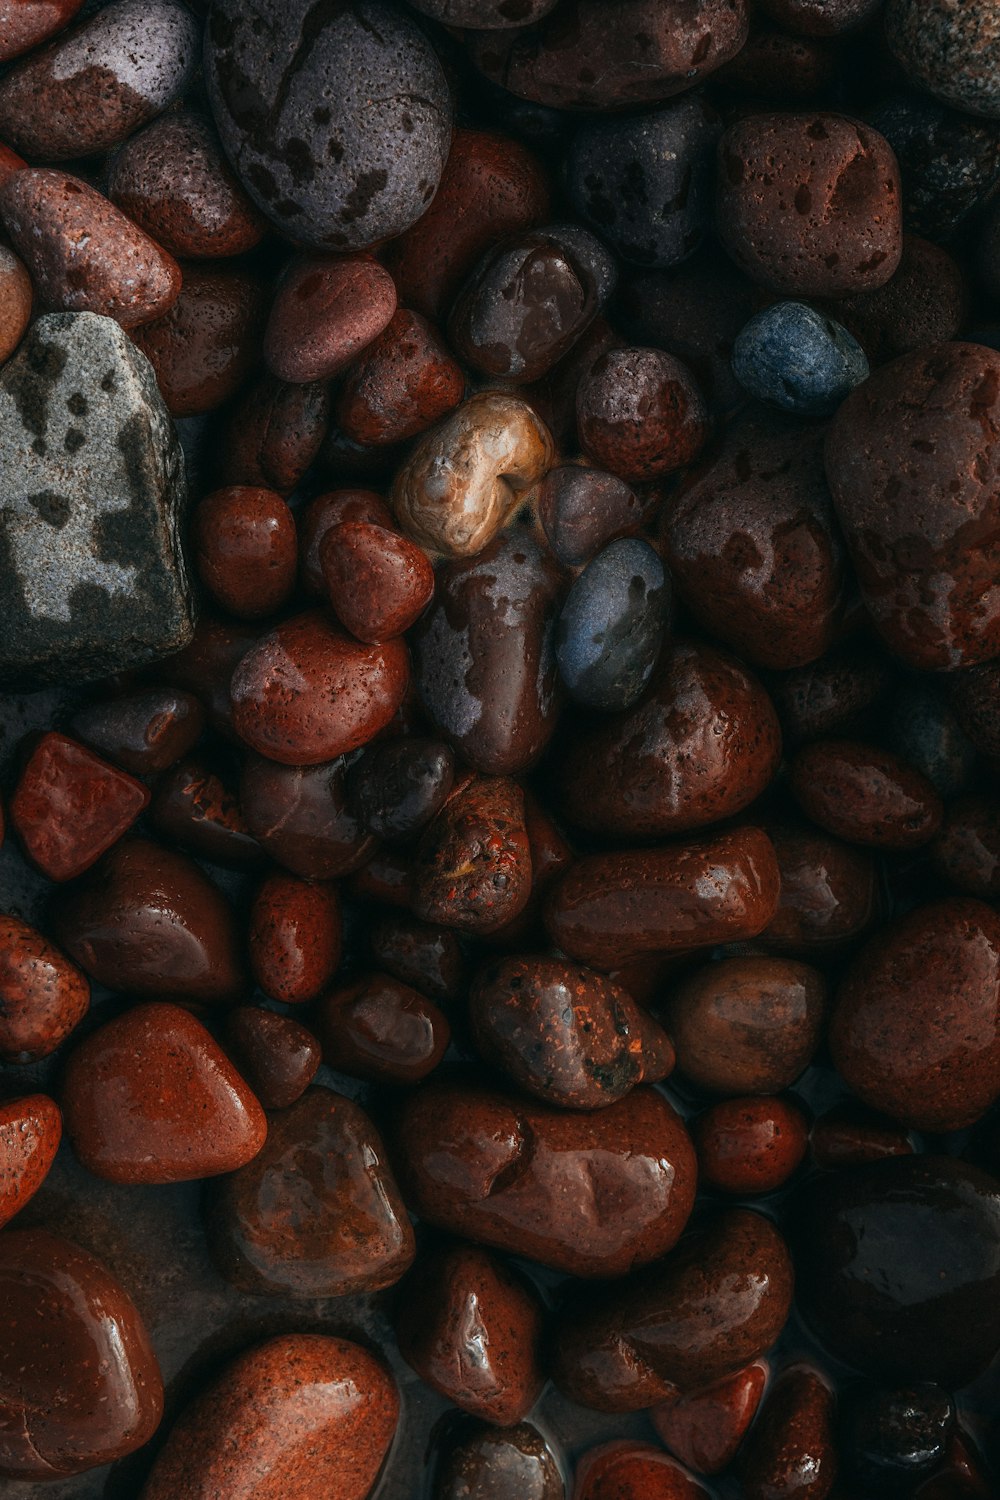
x=612, y=625
x=793, y=357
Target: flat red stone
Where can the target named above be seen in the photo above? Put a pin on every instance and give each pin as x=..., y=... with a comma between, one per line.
x=30, y=1131
x=70, y=806
x=705, y=1429
x=150, y=1097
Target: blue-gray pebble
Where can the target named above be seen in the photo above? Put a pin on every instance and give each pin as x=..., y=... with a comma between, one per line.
x=797, y=359
x=612, y=626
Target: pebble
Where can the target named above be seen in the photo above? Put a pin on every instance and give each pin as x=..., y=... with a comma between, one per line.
x=486, y=1464
x=829, y=894
x=245, y=549
x=309, y=1411
x=194, y=807
x=952, y=52
x=277, y=1057
x=28, y=23
x=43, y=996
x=851, y=1135
x=820, y=17
x=591, y=1195
x=322, y=514
x=419, y=954
x=949, y=161
x=382, y=1030
x=966, y=852
x=612, y=626
x=325, y=312
x=472, y=869
x=295, y=937
x=633, y=1471
x=837, y=692
x=926, y=733
x=144, y=731
x=30, y=1132
x=924, y=302
x=891, y=1439
x=341, y=143
x=581, y=509
x=203, y=349
x=379, y=583
x=317, y=1213
x=301, y=817
x=705, y=1428
x=275, y=433
x=791, y=1453
x=16, y=297
x=405, y=381
x=79, y=1379
x=640, y=414
x=397, y=786
x=748, y=1146
x=794, y=358
x=93, y=575
x=865, y=795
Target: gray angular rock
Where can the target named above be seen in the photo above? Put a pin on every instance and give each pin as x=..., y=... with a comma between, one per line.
x=92, y=493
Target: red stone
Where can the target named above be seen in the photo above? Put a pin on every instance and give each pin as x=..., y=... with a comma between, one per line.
x=325, y=512
x=300, y=815
x=295, y=938
x=70, y=806
x=633, y=1471
x=706, y=1428
x=206, y=345
x=150, y=1097
x=276, y=1056
x=42, y=995
x=640, y=414
x=16, y=296
x=379, y=583
x=245, y=549
x=206, y=665
x=473, y=864
x=307, y=692
x=274, y=434
x=865, y=795
x=27, y=23
x=791, y=1452
x=325, y=312
x=847, y=1137
x=9, y=162
x=404, y=382
x=749, y=1145
x=381, y=1029
x=193, y=807
x=30, y=1132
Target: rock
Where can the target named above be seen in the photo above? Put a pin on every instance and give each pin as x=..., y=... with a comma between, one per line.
x=748, y=1146
x=890, y=1439
x=612, y=626
x=204, y=348
x=640, y=414
x=30, y=1132
x=277, y=1056
x=865, y=795
x=16, y=296
x=300, y=815
x=952, y=51
x=325, y=312
x=399, y=785
x=42, y=995
x=829, y=893
x=515, y=1464
x=295, y=937
x=633, y=1471
x=195, y=808
x=145, y=731
x=92, y=570
x=581, y=509
x=791, y=1451
x=949, y=161
x=28, y=23
x=379, y=583
x=472, y=868
x=246, y=549
x=380, y=1029
x=794, y=358
x=705, y=1428
x=404, y=382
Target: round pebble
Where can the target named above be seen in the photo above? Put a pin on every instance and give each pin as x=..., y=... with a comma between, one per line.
x=611, y=627
x=794, y=358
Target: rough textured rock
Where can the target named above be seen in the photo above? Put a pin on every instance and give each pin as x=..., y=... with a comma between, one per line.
x=91, y=493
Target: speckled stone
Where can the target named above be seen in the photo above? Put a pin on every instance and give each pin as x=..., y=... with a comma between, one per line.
x=749, y=1146
x=28, y=23
x=924, y=302
x=276, y=1056
x=865, y=795
x=43, y=996
x=640, y=414
x=30, y=1132
x=295, y=937
x=195, y=807
x=791, y=1453
x=472, y=869
x=16, y=297
x=93, y=574
x=949, y=49
x=949, y=161
x=793, y=357
x=298, y=1415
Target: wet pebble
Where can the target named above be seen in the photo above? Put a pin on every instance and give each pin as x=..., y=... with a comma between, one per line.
x=30, y=1132
x=295, y=937
x=381, y=1029
x=794, y=358
x=612, y=625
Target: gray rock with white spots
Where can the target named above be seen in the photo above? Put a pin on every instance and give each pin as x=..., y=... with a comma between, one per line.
x=92, y=492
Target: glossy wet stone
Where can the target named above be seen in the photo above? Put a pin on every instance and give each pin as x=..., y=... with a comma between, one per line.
x=747, y=1025
x=718, y=1302
x=206, y=345
x=28, y=23
x=581, y=509
x=753, y=546
x=173, y=180
x=831, y=694
x=69, y=806
x=322, y=514
x=317, y=1213
x=705, y=1428
x=295, y=938
x=791, y=1453
x=897, y=1265
x=612, y=625
x=471, y=1328
x=793, y=357
x=851, y=1135
x=483, y=659
x=144, y=731
x=146, y=921
x=466, y=478
x=398, y=786
x=750, y=1146
x=640, y=414
x=915, y=1031
x=419, y=954
x=841, y=180
x=43, y=996
x=275, y=433
x=966, y=852
x=325, y=312
x=909, y=459
x=891, y=1439
x=297, y=1413
x=307, y=692
x=300, y=815
x=245, y=549
x=15, y=299
x=277, y=1057
x=865, y=795
x=402, y=383
x=829, y=893
x=206, y=665
x=150, y=1097
x=378, y=583
x=563, y=1033
x=701, y=746
x=194, y=806
x=383, y=1030
x=589, y=1194
x=952, y=54
x=341, y=144
x=30, y=1131
x=482, y=1463
x=472, y=869
x=81, y=1385
x=633, y=1471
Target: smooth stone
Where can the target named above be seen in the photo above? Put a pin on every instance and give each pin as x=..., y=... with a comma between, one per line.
x=750, y=1146
x=93, y=576
x=404, y=382
x=626, y=1470
x=890, y=1439
x=317, y=1213
x=791, y=1453
x=277, y=1057
x=485, y=1464
x=79, y=1379
x=379, y=583
x=195, y=808
x=829, y=894
x=581, y=510
x=16, y=298
x=295, y=937
x=865, y=795
x=705, y=1428
x=324, y=313
x=30, y=1132
x=42, y=995
x=322, y=514
x=297, y=1416
x=147, y=921
x=205, y=346
x=419, y=954
x=399, y=785
x=300, y=815
x=793, y=357
x=380, y=1029
x=640, y=413
x=145, y=731
x=612, y=626
x=150, y=1098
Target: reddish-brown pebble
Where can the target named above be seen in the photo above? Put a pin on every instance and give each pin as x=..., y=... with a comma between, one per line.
x=79, y=1382
x=295, y=938
x=206, y=665
x=849, y=1136
x=966, y=852
x=9, y=162
x=173, y=180
x=144, y=731
x=380, y=1029
x=405, y=381
x=298, y=1416
x=747, y=1025
x=706, y=1428
x=809, y=204
x=749, y=1145
x=321, y=515
x=83, y=254
x=307, y=692
x=640, y=414
x=204, y=348
x=828, y=695
x=277, y=1057
x=148, y=922
x=300, y=815
x=472, y=1331
x=15, y=301
x=419, y=954
x=563, y=1033
x=491, y=187
x=378, y=582
x=317, y=1214
x=30, y=1132
x=624, y=1470
x=975, y=699
x=791, y=1452
x=386, y=878
x=25, y=24
x=581, y=509
x=865, y=795
x=925, y=302
x=325, y=312
x=609, y=908
x=194, y=807
x=150, y=1097
x=42, y=995
x=718, y=1302
x=69, y=806
x=701, y=745
x=915, y=1031
x=245, y=549
x=829, y=893
x=593, y=1195
x=275, y=432
x=472, y=868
